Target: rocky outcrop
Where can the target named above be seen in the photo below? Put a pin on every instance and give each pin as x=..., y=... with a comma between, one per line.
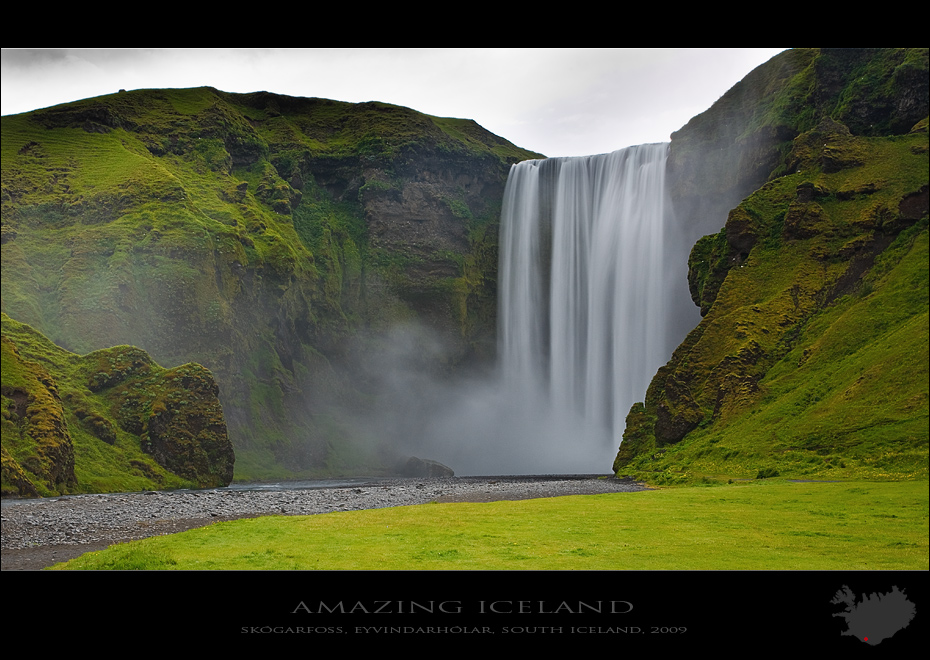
x=182, y=425
x=111, y=420
x=423, y=467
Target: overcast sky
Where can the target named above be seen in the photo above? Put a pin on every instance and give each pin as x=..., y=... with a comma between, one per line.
x=560, y=102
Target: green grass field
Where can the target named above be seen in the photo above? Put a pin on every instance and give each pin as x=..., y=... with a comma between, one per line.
x=772, y=524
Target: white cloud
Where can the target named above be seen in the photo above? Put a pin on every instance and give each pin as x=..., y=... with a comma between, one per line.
x=555, y=101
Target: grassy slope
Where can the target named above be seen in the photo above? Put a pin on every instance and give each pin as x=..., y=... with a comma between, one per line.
x=773, y=525
x=130, y=232
x=801, y=388
x=89, y=416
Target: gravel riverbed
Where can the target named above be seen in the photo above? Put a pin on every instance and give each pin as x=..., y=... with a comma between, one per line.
x=39, y=533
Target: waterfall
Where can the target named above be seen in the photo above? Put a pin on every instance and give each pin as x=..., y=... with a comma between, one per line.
x=589, y=271
x=583, y=292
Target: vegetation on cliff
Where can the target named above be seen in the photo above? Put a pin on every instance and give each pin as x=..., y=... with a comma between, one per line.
x=812, y=356
x=269, y=238
x=112, y=420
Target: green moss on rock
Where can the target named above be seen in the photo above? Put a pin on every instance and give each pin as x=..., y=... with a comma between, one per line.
x=110, y=420
x=38, y=449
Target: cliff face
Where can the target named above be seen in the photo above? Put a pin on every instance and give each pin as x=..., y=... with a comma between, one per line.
x=273, y=239
x=110, y=420
x=811, y=358
x=744, y=139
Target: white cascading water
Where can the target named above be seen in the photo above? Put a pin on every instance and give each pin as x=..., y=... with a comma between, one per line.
x=583, y=295
x=586, y=281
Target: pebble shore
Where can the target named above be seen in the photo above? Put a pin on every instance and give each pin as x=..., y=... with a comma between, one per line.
x=93, y=520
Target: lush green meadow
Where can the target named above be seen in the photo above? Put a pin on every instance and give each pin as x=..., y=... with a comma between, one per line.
x=765, y=524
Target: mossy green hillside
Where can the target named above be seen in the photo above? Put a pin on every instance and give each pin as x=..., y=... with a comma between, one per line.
x=834, y=144
x=111, y=420
x=811, y=360
x=266, y=237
